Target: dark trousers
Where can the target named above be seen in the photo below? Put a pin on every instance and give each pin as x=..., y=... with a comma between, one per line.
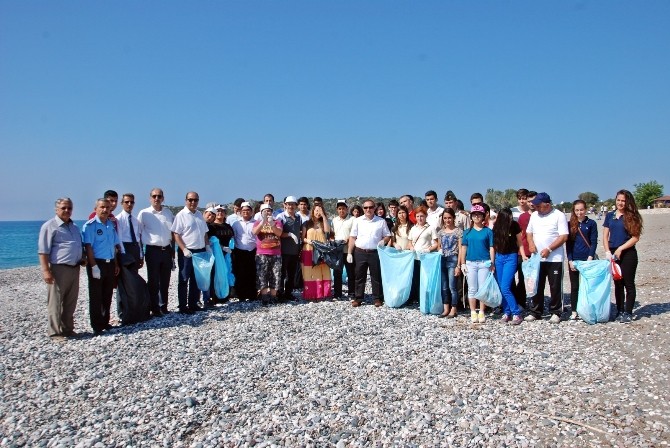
x=188, y=292
x=351, y=277
x=551, y=271
x=624, y=289
x=159, y=268
x=289, y=270
x=100, y=291
x=244, y=268
x=574, y=289
x=520, y=287
x=416, y=283
x=133, y=250
x=368, y=260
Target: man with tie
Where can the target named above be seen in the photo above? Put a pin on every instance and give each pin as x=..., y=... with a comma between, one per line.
x=130, y=231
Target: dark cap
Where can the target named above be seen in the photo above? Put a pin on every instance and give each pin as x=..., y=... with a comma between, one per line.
x=541, y=198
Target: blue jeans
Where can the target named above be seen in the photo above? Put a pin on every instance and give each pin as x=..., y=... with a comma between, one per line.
x=448, y=264
x=505, y=270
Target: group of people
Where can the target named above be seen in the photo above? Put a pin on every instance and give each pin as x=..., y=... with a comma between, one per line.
x=273, y=252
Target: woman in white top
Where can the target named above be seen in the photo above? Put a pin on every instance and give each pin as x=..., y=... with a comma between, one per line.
x=422, y=239
x=400, y=231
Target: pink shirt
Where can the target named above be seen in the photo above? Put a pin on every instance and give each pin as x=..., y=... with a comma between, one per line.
x=267, y=243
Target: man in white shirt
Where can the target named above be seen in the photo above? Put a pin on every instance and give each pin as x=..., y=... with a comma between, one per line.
x=434, y=211
x=190, y=234
x=547, y=232
x=244, y=254
x=368, y=232
x=130, y=232
x=341, y=225
x=156, y=222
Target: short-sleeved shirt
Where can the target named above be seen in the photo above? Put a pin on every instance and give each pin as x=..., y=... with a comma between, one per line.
x=478, y=242
x=244, y=236
x=156, y=225
x=191, y=227
x=292, y=224
x=510, y=246
x=618, y=233
x=449, y=241
x=523, y=220
x=545, y=229
x=223, y=232
x=267, y=243
x=102, y=237
x=61, y=241
x=342, y=229
x=369, y=232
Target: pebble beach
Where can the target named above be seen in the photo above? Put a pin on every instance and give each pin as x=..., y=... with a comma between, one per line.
x=329, y=375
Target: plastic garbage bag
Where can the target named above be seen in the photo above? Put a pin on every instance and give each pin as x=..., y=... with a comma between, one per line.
x=202, y=266
x=531, y=274
x=229, y=260
x=397, y=269
x=489, y=292
x=430, y=283
x=221, y=269
x=595, y=285
x=132, y=297
x=330, y=252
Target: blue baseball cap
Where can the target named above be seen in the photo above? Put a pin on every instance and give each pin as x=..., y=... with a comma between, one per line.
x=541, y=198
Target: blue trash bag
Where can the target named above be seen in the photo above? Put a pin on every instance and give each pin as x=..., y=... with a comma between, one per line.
x=430, y=283
x=202, y=266
x=595, y=285
x=221, y=267
x=397, y=269
x=489, y=292
x=229, y=260
x=531, y=274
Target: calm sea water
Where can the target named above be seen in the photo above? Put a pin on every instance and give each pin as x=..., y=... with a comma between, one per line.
x=18, y=243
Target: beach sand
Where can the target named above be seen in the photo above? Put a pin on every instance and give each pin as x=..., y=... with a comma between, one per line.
x=327, y=374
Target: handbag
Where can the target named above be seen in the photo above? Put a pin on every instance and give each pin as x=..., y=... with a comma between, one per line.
x=595, y=256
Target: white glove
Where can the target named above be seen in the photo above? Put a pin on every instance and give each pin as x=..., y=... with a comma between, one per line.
x=187, y=253
x=350, y=258
x=226, y=250
x=294, y=237
x=464, y=268
x=95, y=271
x=608, y=256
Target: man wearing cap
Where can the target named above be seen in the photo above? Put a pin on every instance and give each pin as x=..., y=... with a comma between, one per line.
x=190, y=233
x=547, y=232
x=341, y=226
x=60, y=252
x=130, y=231
x=102, y=245
x=367, y=232
x=290, y=247
x=156, y=222
x=244, y=254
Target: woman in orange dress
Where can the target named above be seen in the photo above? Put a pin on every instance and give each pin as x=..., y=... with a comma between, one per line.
x=317, y=281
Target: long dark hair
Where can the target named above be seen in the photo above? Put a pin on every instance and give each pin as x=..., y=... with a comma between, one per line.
x=409, y=223
x=632, y=220
x=501, y=228
x=574, y=222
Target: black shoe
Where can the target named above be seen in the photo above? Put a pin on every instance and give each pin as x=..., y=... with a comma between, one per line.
x=164, y=309
x=626, y=318
x=196, y=308
x=109, y=327
x=185, y=311
x=156, y=313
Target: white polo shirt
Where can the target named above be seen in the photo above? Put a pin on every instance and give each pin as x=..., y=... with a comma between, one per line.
x=156, y=226
x=191, y=227
x=369, y=232
x=545, y=229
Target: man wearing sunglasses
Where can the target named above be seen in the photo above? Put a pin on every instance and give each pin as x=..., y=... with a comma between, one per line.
x=190, y=233
x=367, y=232
x=60, y=252
x=156, y=222
x=130, y=231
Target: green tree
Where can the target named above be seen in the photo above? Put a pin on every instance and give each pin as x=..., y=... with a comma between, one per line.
x=646, y=192
x=589, y=198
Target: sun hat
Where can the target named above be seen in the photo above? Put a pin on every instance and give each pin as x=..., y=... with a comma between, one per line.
x=541, y=198
x=477, y=209
x=246, y=204
x=290, y=199
x=211, y=210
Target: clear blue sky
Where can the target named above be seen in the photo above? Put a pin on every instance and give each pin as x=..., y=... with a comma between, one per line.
x=332, y=99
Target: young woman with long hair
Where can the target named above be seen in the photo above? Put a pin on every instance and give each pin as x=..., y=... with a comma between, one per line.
x=621, y=232
x=508, y=245
x=449, y=239
x=401, y=228
x=316, y=277
x=581, y=246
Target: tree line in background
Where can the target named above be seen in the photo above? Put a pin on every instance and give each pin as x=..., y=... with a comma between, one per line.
x=644, y=194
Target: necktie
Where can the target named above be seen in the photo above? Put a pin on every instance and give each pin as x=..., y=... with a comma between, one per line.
x=132, y=229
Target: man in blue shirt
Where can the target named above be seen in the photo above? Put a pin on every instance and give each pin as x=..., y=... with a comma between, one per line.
x=102, y=244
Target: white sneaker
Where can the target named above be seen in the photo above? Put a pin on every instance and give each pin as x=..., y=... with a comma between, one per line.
x=530, y=318
x=555, y=318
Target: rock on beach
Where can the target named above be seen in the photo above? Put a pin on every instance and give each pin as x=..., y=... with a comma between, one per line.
x=328, y=374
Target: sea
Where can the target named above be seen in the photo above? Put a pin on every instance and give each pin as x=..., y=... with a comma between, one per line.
x=18, y=243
